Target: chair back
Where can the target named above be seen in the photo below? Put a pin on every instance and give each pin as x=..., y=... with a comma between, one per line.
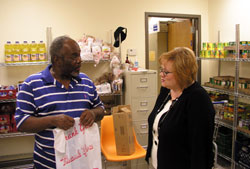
x=107, y=131
x=108, y=145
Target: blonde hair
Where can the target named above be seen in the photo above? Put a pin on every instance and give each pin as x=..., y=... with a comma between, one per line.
x=184, y=65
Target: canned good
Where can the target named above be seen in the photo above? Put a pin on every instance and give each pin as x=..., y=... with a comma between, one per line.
x=226, y=53
x=207, y=54
x=230, y=107
x=214, y=47
x=211, y=80
x=241, y=108
x=225, y=115
x=204, y=45
x=244, y=43
x=231, y=84
x=244, y=54
x=234, y=54
x=216, y=54
x=243, y=85
x=223, y=83
x=220, y=46
x=212, y=53
x=210, y=46
x=231, y=43
x=225, y=44
x=231, y=116
x=221, y=53
x=202, y=53
x=240, y=123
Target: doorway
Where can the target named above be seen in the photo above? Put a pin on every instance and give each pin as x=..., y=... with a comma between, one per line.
x=164, y=32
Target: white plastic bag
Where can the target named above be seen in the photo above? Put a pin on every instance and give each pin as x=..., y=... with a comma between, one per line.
x=78, y=147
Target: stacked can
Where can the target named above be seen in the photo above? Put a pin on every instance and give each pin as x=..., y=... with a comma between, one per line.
x=244, y=53
x=212, y=50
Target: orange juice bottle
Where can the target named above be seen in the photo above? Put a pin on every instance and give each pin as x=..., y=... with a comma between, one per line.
x=33, y=52
x=25, y=50
x=17, y=52
x=8, y=52
x=41, y=51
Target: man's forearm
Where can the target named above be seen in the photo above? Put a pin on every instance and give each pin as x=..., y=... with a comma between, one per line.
x=36, y=124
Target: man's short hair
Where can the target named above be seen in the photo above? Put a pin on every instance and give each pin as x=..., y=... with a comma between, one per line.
x=56, y=46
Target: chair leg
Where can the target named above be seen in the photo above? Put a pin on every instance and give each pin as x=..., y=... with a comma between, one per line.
x=105, y=163
x=124, y=163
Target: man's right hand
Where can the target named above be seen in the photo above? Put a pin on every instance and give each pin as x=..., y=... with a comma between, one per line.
x=63, y=121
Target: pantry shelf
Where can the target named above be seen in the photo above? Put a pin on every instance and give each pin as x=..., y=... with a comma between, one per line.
x=228, y=92
x=221, y=59
x=18, y=134
x=7, y=100
x=110, y=94
x=231, y=93
x=24, y=63
x=242, y=47
x=225, y=123
x=92, y=61
x=13, y=161
x=225, y=157
x=229, y=124
x=226, y=59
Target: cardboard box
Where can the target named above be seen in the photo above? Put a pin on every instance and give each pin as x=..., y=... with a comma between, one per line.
x=123, y=126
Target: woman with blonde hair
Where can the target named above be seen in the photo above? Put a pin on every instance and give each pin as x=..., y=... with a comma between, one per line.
x=181, y=124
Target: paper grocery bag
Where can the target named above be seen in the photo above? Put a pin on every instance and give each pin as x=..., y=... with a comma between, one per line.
x=123, y=126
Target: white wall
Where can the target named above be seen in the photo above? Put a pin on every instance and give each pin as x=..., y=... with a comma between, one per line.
x=28, y=19
x=223, y=15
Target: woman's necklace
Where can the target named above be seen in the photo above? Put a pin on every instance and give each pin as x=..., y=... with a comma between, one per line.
x=163, y=103
x=166, y=113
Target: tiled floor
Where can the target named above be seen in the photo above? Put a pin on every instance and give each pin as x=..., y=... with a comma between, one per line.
x=134, y=164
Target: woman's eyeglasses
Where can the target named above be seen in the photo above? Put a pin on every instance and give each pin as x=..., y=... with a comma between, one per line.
x=164, y=72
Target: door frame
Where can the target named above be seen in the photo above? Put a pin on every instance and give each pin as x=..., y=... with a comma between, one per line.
x=180, y=16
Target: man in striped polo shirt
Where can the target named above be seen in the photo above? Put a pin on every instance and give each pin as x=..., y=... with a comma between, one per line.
x=53, y=97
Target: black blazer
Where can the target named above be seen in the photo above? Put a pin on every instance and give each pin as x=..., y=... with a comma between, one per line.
x=186, y=134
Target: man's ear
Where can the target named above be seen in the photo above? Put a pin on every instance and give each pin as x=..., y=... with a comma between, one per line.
x=56, y=60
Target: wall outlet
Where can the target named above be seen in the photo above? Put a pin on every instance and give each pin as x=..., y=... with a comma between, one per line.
x=131, y=52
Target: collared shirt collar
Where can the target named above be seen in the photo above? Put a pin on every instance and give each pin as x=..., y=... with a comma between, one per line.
x=49, y=79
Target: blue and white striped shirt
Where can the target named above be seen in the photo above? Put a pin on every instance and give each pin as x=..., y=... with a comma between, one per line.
x=41, y=95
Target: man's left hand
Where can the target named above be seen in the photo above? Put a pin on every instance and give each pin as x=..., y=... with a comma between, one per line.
x=87, y=118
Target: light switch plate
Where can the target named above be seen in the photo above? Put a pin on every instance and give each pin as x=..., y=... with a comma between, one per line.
x=131, y=52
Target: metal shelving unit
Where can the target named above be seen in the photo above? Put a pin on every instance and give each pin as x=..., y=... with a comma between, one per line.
x=92, y=61
x=18, y=134
x=228, y=92
x=225, y=123
x=235, y=93
x=7, y=100
x=24, y=63
x=25, y=160
x=43, y=63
